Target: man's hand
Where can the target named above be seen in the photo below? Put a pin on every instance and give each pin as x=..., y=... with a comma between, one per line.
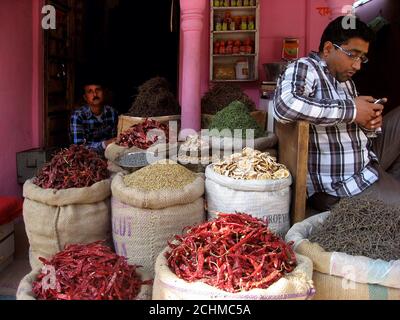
x=108, y=142
x=368, y=114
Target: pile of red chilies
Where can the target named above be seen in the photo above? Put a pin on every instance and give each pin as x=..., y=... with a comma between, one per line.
x=88, y=272
x=75, y=167
x=234, y=253
x=137, y=135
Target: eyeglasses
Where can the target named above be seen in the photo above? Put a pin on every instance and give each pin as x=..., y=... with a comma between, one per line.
x=352, y=56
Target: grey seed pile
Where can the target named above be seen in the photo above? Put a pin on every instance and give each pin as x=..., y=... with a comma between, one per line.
x=361, y=226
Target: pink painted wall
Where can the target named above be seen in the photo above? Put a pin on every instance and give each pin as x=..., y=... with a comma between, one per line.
x=19, y=127
x=278, y=19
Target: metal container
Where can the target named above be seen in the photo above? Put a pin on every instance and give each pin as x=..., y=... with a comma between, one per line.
x=273, y=70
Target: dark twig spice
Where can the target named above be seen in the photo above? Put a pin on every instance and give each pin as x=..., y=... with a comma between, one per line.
x=75, y=167
x=234, y=253
x=139, y=135
x=155, y=99
x=361, y=226
x=223, y=94
x=88, y=272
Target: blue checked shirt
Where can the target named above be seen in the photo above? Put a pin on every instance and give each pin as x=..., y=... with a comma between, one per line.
x=340, y=154
x=87, y=129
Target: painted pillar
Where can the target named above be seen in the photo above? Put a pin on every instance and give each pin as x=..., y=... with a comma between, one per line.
x=192, y=14
x=340, y=7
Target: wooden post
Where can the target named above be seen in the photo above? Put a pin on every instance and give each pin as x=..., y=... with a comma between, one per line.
x=293, y=153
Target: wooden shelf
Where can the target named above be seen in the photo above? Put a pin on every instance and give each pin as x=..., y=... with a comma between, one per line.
x=234, y=8
x=241, y=35
x=235, y=55
x=235, y=31
x=235, y=80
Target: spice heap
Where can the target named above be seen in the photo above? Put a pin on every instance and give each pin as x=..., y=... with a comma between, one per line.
x=234, y=253
x=221, y=95
x=75, y=167
x=155, y=99
x=194, y=143
x=87, y=272
x=251, y=165
x=361, y=226
x=140, y=136
x=235, y=116
x=158, y=176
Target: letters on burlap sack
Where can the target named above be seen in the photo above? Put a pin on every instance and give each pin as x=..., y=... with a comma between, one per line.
x=295, y=286
x=340, y=276
x=143, y=221
x=56, y=218
x=24, y=291
x=265, y=199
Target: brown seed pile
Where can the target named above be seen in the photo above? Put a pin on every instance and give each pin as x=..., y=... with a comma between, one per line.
x=160, y=176
x=361, y=226
x=223, y=94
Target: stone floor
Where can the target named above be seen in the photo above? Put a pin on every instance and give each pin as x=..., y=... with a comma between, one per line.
x=11, y=276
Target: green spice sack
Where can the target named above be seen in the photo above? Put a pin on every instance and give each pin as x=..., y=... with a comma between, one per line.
x=235, y=116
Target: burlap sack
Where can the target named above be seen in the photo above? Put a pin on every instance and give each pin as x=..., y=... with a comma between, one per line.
x=54, y=218
x=265, y=199
x=339, y=276
x=295, y=286
x=24, y=291
x=143, y=222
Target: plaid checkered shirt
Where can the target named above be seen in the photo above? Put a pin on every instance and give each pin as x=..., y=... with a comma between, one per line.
x=86, y=128
x=340, y=154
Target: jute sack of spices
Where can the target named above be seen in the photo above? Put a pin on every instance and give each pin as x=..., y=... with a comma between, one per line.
x=267, y=199
x=143, y=221
x=295, y=286
x=55, y=218
x=340, y=276
x=24, y=291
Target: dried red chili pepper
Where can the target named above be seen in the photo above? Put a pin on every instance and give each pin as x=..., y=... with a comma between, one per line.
x=75, y=167
x=235, y=252
x=88, y=272
x=138, y=135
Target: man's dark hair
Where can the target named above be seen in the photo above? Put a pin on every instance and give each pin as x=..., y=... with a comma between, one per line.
x=336, y=33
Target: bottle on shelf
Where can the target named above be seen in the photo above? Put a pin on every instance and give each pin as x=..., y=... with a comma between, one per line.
x=243, y=25
x=245, y=3
x=250, y=23
x=226, y=3
x=217, y=3
x=239, y=3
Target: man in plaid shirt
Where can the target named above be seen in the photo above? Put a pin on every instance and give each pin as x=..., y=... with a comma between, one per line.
x=94, y=124
x=343, y=161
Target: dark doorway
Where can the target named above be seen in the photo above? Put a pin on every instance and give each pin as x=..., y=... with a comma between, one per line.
x=128, y=42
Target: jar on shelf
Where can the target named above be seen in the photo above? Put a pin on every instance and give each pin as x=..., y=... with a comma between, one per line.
x=232, y=25
x=217, y=3
x=252, y=3
x=242, y=69
x=250, y=23
x=233, y=3
x=243, y=25
x=245, y=3
x=225, y=25
x=226, y=3
x=238, y=22
x=218, y=23
x=239, y=3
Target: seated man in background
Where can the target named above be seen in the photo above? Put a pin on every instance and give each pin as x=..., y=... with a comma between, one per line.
x=94, y=124
x=344, y=160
